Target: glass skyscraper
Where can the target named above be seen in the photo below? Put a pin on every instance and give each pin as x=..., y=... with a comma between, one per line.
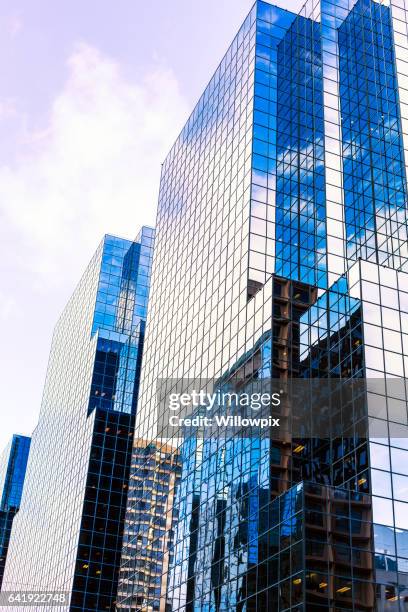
x=68, y=533
x=13, y=464
x=281, y=253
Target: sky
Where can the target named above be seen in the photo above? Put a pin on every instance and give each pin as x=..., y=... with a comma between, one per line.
x=92, y=96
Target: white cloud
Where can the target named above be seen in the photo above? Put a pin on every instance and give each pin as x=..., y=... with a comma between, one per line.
x=94, y=168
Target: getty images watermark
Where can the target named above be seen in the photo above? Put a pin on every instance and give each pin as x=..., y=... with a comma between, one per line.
x=201, y=409
x=283, y=409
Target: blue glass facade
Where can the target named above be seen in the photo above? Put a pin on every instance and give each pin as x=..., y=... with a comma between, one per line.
x=13, y=464
x=280, y=253
x=119, y=322
x=300, y=182
x=69, y=530
x=375, y=190
x=236, y=556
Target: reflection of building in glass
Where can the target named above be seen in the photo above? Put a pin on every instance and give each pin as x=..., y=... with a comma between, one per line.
x=355, y=330
x=281, y=252
x=150, y=521
x=320, y=549
x=13, y=464
x=68, y=533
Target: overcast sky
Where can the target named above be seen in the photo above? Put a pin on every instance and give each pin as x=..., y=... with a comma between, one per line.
x=92, y=96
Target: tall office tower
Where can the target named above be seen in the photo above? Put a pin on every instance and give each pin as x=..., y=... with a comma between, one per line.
x=155, y=470
x=68, y=533
x=281, y=253
x=13, y=464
